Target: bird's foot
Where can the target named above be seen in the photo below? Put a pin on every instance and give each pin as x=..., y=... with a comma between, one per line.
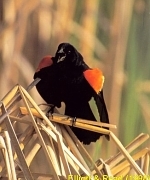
x=73, y=121
x=50, y=111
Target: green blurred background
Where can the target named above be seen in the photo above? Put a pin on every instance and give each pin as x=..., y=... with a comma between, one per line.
x=113, y=35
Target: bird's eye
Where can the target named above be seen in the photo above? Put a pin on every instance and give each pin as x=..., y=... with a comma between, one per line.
x=69, y=52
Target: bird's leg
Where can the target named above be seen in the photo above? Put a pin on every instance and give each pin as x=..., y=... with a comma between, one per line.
x=50, y=111
x=73, y=121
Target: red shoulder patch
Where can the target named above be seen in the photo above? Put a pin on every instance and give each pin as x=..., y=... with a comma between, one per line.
x=95, y=78
x=45, y=62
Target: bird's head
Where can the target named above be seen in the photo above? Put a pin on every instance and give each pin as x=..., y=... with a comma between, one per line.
x=67, y=55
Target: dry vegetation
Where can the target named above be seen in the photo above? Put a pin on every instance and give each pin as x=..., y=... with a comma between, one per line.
x=65, y=156
x=112, y=35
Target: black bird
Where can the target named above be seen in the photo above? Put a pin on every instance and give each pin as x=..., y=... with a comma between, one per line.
x=48, y=86
x=74, y=83
x=79, y=84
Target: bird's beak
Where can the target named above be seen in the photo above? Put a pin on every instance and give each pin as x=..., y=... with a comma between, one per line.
x=61, y=50
x=62, y=55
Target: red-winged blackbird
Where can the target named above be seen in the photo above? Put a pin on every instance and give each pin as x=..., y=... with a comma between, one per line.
x=48, y=86
x=66, y=78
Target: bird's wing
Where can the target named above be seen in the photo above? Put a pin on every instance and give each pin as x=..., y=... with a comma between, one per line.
x=96, y=79
x=101, y=106
x=45, y=62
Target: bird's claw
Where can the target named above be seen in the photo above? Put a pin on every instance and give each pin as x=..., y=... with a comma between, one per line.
x=73, y=121
x=50, y=111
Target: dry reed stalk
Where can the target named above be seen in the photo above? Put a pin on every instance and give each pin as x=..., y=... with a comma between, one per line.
x=83, y=151
x=74, y=148
x=132, y=146
x=106, y=169
x=24, y=139
x=8, y=97
x=63, y=158
x=75, y=169
x=20, y=120
x=13, y=96
x=39, y=135
x=52, y=151
x=146, y=163
x=57, y=155
x=6, y=157
x=126, y=154
x=32, y=151
x=10, y=155
x=125, y=163
x=3, y=167
x=73, y=165
x=64, y=119
x=124, y=172
x=68, y=121
x=15, y=142
x=69, y=153
x=26, y=135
